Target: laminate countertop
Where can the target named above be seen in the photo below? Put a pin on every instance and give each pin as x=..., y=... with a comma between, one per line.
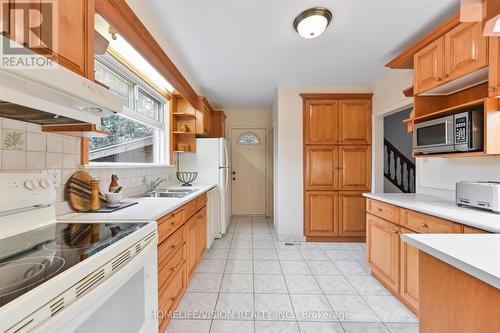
x=147, y=209
x=442, y=208
x=475, y=254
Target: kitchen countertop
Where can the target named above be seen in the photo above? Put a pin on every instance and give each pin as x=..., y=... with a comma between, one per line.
x=476, y=254
x=443, y=208
x=148, y=209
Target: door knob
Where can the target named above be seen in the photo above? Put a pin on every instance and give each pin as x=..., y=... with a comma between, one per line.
x=234, y=178
x=234, y=172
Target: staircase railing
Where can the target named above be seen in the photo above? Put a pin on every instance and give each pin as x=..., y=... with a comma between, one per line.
x=398, y=169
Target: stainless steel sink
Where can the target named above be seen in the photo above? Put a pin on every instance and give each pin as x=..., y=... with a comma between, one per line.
x=167, y=193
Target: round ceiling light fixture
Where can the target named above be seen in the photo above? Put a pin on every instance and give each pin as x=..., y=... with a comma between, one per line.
x=312, y=22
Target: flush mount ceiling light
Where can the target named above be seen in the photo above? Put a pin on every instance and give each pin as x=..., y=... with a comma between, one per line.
x=312, y=22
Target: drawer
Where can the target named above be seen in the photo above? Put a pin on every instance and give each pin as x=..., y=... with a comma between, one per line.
x=170, y=246
x=189, y=209
x=427, y=224
x=383, y=210
x=201, y=201
x=170, y=294
x=471, y=230
x=168, y=224
x=167, y=270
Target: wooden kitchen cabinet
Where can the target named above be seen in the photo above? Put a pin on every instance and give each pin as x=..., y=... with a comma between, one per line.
x=202, y=232
x=191, y=244
x=409, y=286
x=321, y=213
x=320, y=167
x=383, y=251
x=320, y=122
x=354, y=122
x=203, y=118
x=73, y=29
x=429, y=66
x=352, y=221
x=354, y=168
x=494, y=64
x=218, y=124
x=465, y=50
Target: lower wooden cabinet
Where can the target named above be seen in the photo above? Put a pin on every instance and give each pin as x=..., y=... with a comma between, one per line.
x=191, y=240
x=352, y=214
x=321, y=213
x=409, y=288
x=170, y=295
x=201, y=226
x=383, y=250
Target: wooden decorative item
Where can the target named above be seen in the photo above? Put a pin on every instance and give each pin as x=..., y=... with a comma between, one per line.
x=95, y=203
x=183, y=147
x=113, y=186
x=78, y=191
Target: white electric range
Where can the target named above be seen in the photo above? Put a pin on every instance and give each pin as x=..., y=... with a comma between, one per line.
x=60, y=276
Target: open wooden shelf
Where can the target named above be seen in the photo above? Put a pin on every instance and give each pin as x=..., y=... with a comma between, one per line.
x=184, y=133
x=455, y=155
x=181, y=114
x=448, y=111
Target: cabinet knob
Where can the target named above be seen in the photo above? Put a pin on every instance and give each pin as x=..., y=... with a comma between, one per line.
x=174, y=269
x=446, y=76
x=172, y=246
x=172, y=299
x=172, y=223
x=380, y=210
x=491, y=89
x=425, y=225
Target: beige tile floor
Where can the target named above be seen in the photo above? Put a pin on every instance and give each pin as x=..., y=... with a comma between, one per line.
x=250, y=282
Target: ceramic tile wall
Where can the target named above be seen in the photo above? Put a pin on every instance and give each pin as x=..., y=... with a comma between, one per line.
x=25, y=148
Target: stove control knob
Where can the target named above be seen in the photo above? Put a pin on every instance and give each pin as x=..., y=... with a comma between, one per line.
x=29, y=185
x=44, y=183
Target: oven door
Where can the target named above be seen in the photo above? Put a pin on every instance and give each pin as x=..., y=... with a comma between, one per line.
x=124, y=303
x=434, y=136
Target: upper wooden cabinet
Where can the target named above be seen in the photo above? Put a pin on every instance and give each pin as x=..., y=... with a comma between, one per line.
x=203, y=118
x=461, y=51
x=218, y=124
x=494, y=63
x=354, y=168
x=320, y=167
x=354, y=122
x=320, y=122
x=73, y=31
x=429, y=66
x=465, y=50
x=321, y=213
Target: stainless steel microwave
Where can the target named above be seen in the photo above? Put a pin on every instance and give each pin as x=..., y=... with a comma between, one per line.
x=461, y=132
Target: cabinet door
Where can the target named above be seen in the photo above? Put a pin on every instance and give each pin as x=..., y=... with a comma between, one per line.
x=321, y=213
x=494, y=64
x=465, y=50
x=207, y=117
x=354, y=168
x=355, y=122
x=65, y=38
x=320, y=122
x=352, y=219
x=202, y=232
x=382, y=238
x=320, y=168
x=409, y=273
x=191, y=244
x=429, y=66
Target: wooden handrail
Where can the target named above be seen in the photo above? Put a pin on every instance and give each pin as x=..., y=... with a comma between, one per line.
x=403, y=161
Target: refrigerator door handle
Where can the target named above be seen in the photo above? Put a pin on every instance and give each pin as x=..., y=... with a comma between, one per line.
x=226, y=153
x=227, y=180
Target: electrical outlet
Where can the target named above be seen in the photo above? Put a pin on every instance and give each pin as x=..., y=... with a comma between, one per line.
x=54, y=177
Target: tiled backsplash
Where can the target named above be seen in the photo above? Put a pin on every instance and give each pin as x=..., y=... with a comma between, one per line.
x=25, y=148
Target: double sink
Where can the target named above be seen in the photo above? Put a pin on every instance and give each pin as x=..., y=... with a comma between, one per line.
x=167, y=193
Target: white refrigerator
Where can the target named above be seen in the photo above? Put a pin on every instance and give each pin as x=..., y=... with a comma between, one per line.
x=211, y=161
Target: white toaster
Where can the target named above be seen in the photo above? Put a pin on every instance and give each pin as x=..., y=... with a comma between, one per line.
x=483, y=194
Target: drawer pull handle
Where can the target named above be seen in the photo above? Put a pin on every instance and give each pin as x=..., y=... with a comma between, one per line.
x=174, y=269
x=172, y=246
x=172, y=223
x=172, y=299
x=395, y=231
x=380, y=209
x=425, y=225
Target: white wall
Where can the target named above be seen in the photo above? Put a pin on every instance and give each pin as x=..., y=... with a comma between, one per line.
x=288, y=159
x=254, y=118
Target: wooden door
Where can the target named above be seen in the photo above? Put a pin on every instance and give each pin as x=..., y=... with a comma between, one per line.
x=191, y=244
x=321, y=213
x=354, y=168
x=383, y=250
x=465, y=50
x=320, y=122
x=352, y=221
x=248, y=157
x=409, y=273
x=355, y=122
x=429, y=66
x=494, y=64
x=202, y=232
x=67, y=38
x=320, y=167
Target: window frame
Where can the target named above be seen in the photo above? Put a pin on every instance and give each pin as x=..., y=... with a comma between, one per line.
x=130, y=74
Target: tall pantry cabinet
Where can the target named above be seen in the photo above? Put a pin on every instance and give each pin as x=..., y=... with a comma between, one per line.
x=337, y=165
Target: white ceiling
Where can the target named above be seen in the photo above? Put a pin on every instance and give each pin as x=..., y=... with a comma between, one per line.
x=238, y=51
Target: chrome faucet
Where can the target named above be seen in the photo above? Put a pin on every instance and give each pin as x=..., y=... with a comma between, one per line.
x=154, y=184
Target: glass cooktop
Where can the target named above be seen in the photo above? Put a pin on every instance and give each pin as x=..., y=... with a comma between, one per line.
x=31, y=258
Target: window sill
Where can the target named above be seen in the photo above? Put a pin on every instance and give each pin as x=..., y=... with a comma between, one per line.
x=104, y=165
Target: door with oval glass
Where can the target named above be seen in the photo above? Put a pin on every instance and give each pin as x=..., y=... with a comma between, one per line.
x=248, y=162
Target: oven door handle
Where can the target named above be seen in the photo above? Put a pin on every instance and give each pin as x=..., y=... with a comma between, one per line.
x=450, y=132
